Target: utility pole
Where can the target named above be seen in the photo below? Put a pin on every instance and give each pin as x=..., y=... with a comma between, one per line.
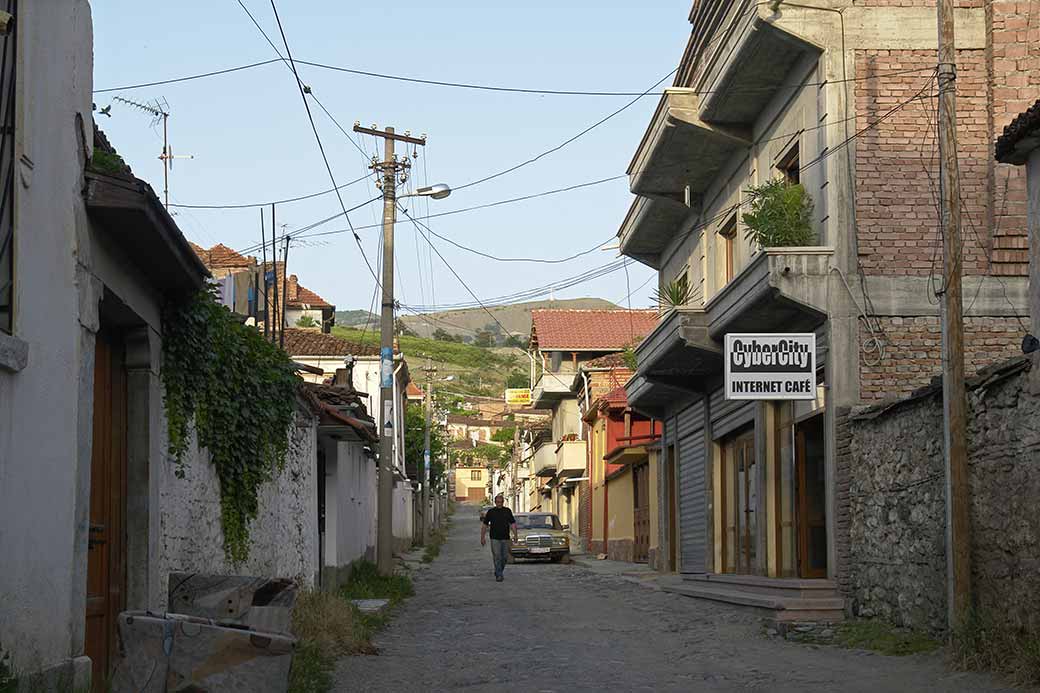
x=276, y=321
x=430, y=371
x=388, y=170
x=958, y=522
x=263, y=278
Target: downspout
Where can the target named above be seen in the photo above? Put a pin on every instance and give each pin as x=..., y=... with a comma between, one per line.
x=581, y=423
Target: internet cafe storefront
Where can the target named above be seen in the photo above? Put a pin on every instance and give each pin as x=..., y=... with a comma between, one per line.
x=767, y=437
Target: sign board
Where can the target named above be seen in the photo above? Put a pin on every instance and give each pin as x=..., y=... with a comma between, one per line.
x=771, y=366
x=519, y=396
x=386, y=367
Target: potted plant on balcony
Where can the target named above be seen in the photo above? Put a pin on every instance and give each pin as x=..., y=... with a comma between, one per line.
x=672, y=295
x=780, y=216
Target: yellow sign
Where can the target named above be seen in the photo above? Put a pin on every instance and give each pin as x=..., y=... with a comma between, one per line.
x=519, y=396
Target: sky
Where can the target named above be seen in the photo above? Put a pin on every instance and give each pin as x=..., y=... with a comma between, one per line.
x=251, y=141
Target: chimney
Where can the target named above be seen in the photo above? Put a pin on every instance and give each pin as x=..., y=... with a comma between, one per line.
x=345, y=376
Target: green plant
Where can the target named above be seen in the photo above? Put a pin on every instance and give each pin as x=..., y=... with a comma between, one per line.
x=984, y=641
x=415, y=440
x=884, y=638
x=629, y=357
x=780, y=216
x=366, y=583
x=673, y=294
x=239, y=390
x=306, y=321
x=326, y=627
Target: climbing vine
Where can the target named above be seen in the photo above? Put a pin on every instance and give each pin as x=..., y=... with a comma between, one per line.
x=239, y=391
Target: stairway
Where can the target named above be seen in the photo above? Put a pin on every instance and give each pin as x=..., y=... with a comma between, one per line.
x=788, y=600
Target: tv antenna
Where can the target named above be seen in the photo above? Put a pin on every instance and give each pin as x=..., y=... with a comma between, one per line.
x=160, y=111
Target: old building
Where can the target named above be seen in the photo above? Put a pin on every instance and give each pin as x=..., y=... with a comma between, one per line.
x=838, y=102
x=565, y=344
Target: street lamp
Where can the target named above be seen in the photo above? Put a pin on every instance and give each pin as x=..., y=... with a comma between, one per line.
x=437, y=191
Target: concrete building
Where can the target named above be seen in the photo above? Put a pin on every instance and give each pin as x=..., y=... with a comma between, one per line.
x=836, y=100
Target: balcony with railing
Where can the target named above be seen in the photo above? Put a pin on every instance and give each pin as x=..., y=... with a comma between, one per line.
x=570, y=458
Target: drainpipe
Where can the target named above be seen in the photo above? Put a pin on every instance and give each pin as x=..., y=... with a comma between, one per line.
x=531, y=356
x=581, y=424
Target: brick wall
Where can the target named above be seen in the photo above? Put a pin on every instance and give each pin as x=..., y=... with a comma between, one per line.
x=913, y=352
x=897, y=162
x=842, y=478
x=1014, y=87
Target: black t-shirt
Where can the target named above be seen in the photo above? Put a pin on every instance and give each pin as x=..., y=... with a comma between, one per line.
x=499, y=519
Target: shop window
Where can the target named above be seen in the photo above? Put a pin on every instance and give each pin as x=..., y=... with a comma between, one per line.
x=8, y=61
x=475, y=475
x=789, y=165
x=739, y=502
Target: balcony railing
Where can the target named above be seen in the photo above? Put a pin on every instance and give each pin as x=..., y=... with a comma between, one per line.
x=570, y=458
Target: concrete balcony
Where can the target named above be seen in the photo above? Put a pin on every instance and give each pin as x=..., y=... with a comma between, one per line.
x=570, y=458
x=551, y=388
x=544, y=461
x=781, y=289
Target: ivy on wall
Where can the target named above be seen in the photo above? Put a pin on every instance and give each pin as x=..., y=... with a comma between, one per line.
x=239, y=390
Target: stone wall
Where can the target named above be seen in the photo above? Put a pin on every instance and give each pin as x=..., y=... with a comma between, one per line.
x=284, y=535
x=896, y=502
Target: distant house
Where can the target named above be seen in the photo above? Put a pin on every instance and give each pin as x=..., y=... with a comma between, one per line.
x=565, y=345
x=328, y=353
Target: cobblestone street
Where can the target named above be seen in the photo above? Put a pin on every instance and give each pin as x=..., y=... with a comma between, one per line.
x=563, y=628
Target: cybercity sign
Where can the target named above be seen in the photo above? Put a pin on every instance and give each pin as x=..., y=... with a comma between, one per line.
x=771, y=366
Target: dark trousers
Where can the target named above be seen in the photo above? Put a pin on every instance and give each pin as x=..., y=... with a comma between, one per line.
x=499, y=553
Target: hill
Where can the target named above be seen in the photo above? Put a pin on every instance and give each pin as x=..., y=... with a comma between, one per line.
x=350, y=318
x=515, y=318
x=472, y=370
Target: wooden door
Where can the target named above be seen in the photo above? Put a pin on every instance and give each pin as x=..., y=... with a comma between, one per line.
x=811, y=498
x=641, y=512
x=106, y=548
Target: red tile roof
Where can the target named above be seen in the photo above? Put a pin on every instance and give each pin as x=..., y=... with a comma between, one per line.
x=615, y=360
x=300, y=342
x=590, y=330
x=221, y=257
x=304, y=296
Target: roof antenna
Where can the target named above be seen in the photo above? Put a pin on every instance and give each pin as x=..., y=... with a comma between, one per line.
x=160, y=111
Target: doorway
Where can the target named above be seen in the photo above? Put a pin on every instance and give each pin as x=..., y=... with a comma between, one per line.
x=641, y=512
x=739, y=500
x=811, y=497
x=106, y=544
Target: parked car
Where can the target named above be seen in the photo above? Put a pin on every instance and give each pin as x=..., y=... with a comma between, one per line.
x=540, y=535
x=483, y=511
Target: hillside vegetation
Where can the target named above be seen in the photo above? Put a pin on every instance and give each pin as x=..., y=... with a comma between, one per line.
x=477, y=370
x=516, y=318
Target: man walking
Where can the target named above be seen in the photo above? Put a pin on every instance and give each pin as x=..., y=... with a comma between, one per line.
x=501, y=521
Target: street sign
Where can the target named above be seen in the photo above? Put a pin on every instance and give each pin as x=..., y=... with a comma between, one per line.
x=519, y=396
x=771, y=366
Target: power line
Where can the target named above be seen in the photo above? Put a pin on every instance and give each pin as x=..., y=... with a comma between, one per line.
x=268, y=203
x=439, y=83
x=563, y=144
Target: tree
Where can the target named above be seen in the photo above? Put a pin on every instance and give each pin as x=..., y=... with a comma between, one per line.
x=484, y=338
x=517, y=379
x=306, y=321
x=415, y=441
x=442, y=336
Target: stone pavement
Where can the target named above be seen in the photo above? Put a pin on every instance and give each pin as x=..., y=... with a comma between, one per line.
x=553, y=627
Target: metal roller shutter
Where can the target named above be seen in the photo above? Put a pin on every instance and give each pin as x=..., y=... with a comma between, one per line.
x=689, y=435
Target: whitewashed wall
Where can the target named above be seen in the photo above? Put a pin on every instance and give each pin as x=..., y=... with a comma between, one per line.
x=350, y=513
x=284, y=535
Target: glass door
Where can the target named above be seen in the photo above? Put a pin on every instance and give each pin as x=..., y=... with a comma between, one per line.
x=739, y=500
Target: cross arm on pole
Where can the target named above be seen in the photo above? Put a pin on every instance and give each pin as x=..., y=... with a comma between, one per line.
x=389, y=134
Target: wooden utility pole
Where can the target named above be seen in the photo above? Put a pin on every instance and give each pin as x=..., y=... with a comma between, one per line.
x=958, y=522
x=388, y=168
x=276, y=320
x=425, y=475
x=516, y=463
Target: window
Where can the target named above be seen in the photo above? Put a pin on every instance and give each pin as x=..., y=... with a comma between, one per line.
x=789, y=167
x=682, y=282
x=475, y=475
x=727, y=237
x=7, y=160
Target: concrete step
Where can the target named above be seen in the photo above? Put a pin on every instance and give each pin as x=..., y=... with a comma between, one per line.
x=775, y=606
x=793, y=588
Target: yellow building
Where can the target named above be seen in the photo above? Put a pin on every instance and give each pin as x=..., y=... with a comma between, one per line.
x=623, y=481
x=471, y=484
